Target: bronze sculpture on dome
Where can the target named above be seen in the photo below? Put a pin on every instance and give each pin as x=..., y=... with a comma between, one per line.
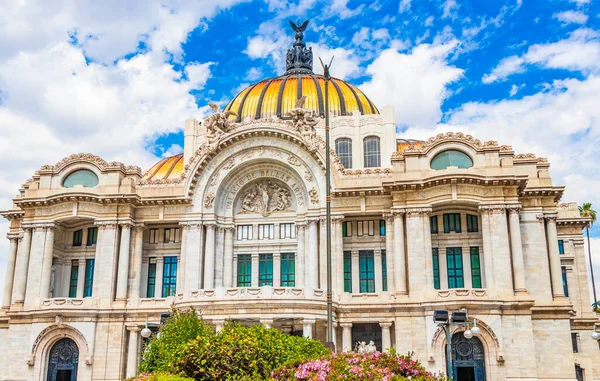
x=299, y=58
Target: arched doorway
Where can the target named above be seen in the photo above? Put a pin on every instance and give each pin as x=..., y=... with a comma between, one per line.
x=63, y=360
x=468, y=358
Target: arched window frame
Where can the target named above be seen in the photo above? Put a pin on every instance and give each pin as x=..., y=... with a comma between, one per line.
x=372, y=154
x=76, y=170
x=450, y=149
x=344, y=152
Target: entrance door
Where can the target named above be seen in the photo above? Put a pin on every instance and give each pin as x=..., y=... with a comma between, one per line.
x=63, y=361
x=469, y=358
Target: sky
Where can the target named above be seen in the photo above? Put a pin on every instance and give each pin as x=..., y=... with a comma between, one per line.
x=118, y=78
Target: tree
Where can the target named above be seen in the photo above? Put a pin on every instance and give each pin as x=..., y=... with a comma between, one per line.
x=586, y=211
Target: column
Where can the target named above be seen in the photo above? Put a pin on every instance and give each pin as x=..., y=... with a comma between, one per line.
x=307, y=328
x=106, y=261
x=418, y=252
x=10, y=269
x=132, y=351
x=58, y=280
x=183, y=259
x=34, y=272
x=192, y=278
x=254, y=270
x=47, y=263
x=21, y=266
x=486, y=256
x=338, y=255
x=268, y=323
x=555, y=270
x=389, y=250
x=228, y=258
x=136, y=262
x=80, y=278
x=378, y=271
x=312, y=263
x=518, y=261
x=209, y=264
x=276, y=269
x=323, y=253
x=346, y=337
x=123, y=269
x=399, y=255
x=495, y=235
x=355, y=272
x=218, y=273
x=386, y=338
x=219, y=324
x=301, y=254
x=144, y=278
x=158, y=288
x=334, y=324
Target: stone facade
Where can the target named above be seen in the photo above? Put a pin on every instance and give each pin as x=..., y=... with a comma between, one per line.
x=241, y=235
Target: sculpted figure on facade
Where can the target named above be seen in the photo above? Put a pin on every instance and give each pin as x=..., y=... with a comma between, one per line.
x=265, y=198
x=216, y=125
x=304, y=122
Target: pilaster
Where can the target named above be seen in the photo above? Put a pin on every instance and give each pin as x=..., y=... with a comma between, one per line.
x=10, y=268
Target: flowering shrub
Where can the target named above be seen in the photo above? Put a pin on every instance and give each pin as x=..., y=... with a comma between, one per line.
x=357, y=366
x=188, y=346
x=158, y=377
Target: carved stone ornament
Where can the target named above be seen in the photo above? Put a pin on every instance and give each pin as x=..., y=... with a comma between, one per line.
x=266, y=197
x=314, y=196
x=209, y=200
x=304, y=122
x=216, y=125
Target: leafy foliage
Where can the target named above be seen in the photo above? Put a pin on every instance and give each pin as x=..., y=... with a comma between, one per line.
x=586, y=210
x=158, y=377
x=354, y=366
x=188, y=346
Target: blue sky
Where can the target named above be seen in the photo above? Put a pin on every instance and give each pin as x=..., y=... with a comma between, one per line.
x=118, y=79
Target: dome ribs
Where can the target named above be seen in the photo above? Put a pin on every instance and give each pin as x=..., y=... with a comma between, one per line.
x=319, y=96
x=239, y=117
x=261, y=98
x=280, y=96
x=340, y=95
x=358, y=100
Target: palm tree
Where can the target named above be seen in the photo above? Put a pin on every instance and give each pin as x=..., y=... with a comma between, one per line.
x=586, y=211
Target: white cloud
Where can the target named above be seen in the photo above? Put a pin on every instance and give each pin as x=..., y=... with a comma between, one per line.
x=595, y=245
x=414, y=83
x=340, y=9
x=580, y=2
x=515, y=89
x=345, y=63
x=198, y=74
x=450, y=8
x=404, y=6
x=580, y=52
x=571, y=17
x=429, y=21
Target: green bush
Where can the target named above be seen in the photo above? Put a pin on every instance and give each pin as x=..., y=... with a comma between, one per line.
x=159, y=377
x=187, y=346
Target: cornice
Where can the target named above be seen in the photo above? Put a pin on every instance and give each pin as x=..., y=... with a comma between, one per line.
x=90, y=159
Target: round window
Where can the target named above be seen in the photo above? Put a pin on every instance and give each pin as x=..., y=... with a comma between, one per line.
x=451, y=158
x=83, y=177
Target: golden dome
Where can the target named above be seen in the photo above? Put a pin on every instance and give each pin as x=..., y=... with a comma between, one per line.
x=402, y=144
x=276, y=96
x=168, y=168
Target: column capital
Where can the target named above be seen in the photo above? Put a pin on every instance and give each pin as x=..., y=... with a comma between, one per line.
x=126, y=224
x=397, y=212
x=230, y=228
x=190, y=224
x=140, y=226
x=301, y=224
x=39, y=225
x=513, y=208
x=133, y=328
x=551, y=217
x=14, y=236
x=106, y=224
x=312, y=221
x=493, y=208
x=322, y=219
x=266, y=321
x=388, y=217
x=346, y=325
x=337, y=218
x=423, y=210
x=309, y=321
x=385, y=324
x=210, y=224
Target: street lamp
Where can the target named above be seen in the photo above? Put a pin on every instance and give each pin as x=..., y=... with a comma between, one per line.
x=458, y=319
x=596, y=335
x=146, y=332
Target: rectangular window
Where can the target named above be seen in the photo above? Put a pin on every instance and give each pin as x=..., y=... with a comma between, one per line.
x=472, y=224
x=455, y=267
x=92, y=236
x=88, y=283
x=367, y=270
x=452, y=223
x=575, y=341
x=169, y=276
x=475, y=267
x=365, y=228
x=384, y=270
x=382, y=228
x=266, y=231
x=436, y=268
x=77, y=237
x=244, y=270
x=347, y=271
x=167, y=235
x=347, y=229
x=433, y=224
x=561, y=246
x=171, y=235
x=74, y=279
x=265, y=270
x=244, y=232
x=564, y=279
x=153, y=235
x=287, y=231
x=288, y=270
x=150, y=290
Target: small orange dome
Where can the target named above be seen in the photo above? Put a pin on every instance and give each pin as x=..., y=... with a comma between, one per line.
x=168, y=168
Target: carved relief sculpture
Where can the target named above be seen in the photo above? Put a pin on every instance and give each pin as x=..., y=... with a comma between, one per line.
x=216, y=125
x=265, y=198
x=304, y=122
x=209, y=200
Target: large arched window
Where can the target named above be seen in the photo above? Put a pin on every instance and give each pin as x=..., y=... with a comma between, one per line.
x=343, y=148
x=372, y=150
x=451, y=158
x=83, y=177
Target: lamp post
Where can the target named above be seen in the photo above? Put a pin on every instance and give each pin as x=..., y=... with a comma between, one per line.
x=457, y=319
x=146, y=332
x=330, y=344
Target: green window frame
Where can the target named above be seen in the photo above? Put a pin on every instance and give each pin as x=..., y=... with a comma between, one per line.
x=347, y=229
x=475, y=267
x=77, y=237
x=452, y=158
x=452, y=222
x=265, y=270
x=92, y=236
x=455, y=267
x=366, y=261
x=472, y=223
x=561, y=246
x=82, y=177
x=435, y=256
x=74, y=278
x=384, y=277
x=244, y=270
x=169, y=287
x=288, y=270
x=88, y=283
x=347, y=271
x=433, y=224
x=382, y=228
x=564, y=280
x=151, y=287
